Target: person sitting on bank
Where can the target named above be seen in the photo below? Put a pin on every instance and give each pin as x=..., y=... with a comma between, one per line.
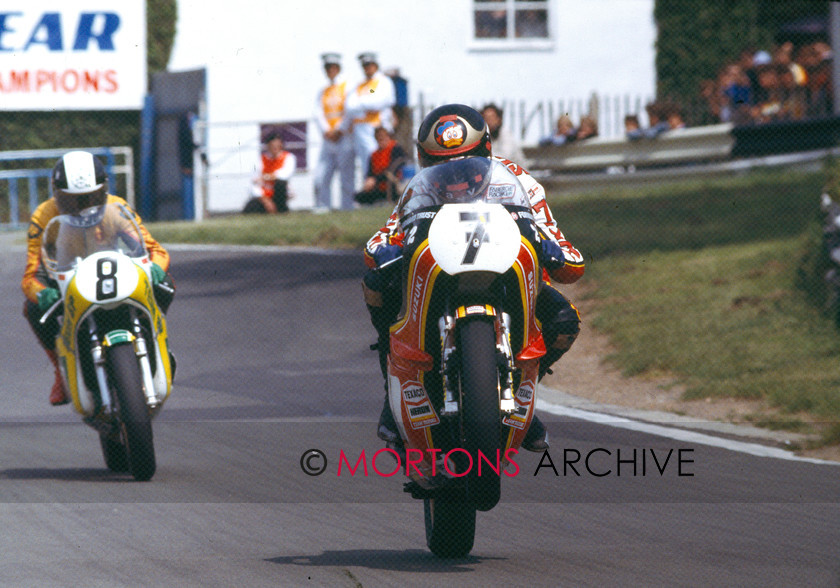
x=587, y=128
x=564, y=132
x=632, y=128
x=384, y=170
x=270, y=193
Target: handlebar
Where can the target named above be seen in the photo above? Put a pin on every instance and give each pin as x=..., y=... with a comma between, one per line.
x=388, y=264
x=58, y=303
x=165, y=288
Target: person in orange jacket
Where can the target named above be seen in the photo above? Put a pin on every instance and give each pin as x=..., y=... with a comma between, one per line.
x=79, y=182
x=275, y=168
x=384, y=171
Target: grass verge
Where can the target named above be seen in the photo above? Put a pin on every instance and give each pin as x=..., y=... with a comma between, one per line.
x=701, y=281
x=340, y=229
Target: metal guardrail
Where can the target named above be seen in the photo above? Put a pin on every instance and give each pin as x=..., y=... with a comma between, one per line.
x=682, y=149
x=691, y=145
x=32, y=162
x=567, y=182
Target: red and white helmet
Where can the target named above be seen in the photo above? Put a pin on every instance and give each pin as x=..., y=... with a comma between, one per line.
x=452, y=130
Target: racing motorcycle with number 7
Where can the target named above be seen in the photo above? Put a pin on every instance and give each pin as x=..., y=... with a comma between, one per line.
x=112, y=345
x=464, y=353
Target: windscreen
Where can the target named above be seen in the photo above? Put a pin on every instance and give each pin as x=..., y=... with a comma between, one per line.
x=468, y=179
x=69, y=238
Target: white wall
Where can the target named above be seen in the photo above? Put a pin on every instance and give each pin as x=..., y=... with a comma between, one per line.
x=263, y=64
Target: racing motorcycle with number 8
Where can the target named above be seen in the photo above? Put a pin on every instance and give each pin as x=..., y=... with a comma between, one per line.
x=112, y=345
x=464, y=352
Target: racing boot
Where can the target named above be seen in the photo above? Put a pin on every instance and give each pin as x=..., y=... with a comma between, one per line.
x=387, y=427
x=58, y=394
x=536, y=439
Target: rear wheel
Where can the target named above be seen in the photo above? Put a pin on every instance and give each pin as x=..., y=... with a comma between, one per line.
x=481, y=417
x=135, y=420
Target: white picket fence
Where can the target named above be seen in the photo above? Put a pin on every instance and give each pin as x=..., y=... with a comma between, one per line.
x=532, y=120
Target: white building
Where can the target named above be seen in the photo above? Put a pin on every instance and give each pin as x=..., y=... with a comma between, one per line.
x=262, y=63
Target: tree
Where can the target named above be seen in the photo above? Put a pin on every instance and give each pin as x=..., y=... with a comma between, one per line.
x=161, y=18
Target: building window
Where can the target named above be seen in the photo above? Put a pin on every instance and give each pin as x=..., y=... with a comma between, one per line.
x=510, y=20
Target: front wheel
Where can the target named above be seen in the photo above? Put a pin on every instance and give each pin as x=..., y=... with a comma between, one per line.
x=116, y=459
x=135, y=420
x=481, y=416
x=450, y=526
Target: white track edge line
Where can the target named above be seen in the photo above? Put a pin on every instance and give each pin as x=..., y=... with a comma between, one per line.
x=676, y=433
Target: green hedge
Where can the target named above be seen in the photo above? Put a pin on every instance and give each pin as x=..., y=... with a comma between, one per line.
x=816, y=263
x=695, y=39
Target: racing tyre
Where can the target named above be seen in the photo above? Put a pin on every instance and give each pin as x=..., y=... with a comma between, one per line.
x=481, y=416
x=135, y=420
x=116, y=459
x=450, y=526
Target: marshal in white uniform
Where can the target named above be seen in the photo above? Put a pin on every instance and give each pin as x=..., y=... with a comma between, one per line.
x=337, y=143
x=369, y=106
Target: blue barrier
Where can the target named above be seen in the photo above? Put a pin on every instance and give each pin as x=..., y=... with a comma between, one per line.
x=39, y=163
x=12, y=177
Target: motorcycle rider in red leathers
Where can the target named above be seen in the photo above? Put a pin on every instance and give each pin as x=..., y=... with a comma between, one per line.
x=561, y=262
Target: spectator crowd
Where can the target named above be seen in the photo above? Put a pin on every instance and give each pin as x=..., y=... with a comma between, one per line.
x=566, y=131
x=785, y=83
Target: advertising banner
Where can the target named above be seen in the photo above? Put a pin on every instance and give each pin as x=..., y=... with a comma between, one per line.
x=73, y=55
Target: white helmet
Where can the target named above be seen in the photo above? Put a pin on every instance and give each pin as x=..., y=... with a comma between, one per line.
x=79, y=181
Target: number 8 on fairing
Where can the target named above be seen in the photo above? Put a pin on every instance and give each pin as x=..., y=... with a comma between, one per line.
x=106, y=285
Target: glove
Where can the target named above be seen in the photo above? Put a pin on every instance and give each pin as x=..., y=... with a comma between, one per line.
x=386, y=253
x=46, y=298
x=158, y=274
x=552, y=255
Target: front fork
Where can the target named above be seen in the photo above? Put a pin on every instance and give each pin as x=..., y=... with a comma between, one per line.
x=99, y=366
x=140, y=349
x=449, y=365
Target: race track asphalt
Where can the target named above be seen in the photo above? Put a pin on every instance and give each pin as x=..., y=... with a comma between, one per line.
x=273, y=360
